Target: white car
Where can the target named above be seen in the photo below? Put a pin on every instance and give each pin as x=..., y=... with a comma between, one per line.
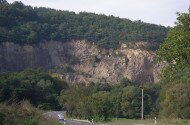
x=61, y=117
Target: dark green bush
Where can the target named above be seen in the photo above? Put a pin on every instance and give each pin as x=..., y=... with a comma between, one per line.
x=30, y=122
x=2, y=118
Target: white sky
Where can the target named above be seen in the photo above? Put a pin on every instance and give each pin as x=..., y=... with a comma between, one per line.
x=151, y=11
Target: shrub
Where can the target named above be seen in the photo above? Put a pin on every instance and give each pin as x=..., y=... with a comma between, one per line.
x=30, y=122
x=2, y=118
x=19, y=113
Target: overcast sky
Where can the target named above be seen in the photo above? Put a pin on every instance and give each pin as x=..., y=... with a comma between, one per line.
x=151, y=11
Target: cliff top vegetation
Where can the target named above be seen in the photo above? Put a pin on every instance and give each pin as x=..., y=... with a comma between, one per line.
x=30, y=25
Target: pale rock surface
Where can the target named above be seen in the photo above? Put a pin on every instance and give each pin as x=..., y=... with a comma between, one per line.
x=88, y=62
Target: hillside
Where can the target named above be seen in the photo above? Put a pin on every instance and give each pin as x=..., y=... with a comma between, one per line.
x=96, y=67
x=82, y=61
x=80, y=48
x=27, y=25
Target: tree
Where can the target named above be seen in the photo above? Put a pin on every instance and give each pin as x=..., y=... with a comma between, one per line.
x=74, y=101
x=35, y=85
x=3, y=1
x=130, y=104
x=175, y=51
x=176, y=101
x=84, y=108
x=101, y=106
x=127, y=100
x=176, y=48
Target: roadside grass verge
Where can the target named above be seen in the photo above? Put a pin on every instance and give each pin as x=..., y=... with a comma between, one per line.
x=150, y=121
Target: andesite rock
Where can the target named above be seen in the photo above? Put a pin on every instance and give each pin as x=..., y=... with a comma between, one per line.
x=82, y=61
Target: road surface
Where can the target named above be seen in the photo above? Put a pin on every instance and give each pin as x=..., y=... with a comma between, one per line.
x=54, y=115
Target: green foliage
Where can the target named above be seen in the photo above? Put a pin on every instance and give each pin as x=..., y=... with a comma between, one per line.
x=176, y=48
x=174, y=98
x=23, y=113
x=126, y=82
x=185, y=112
x=24, y=24
x=102, y=87
x=2, y=118
x=69, y=99
x=30, y=122
x=101, y=106
x=45, y=106
x=3, y=1
x=84, y=108
x=35, y=85
x=100, y=102
x=176, y=101
x=131, y=102
x=19, y=113
x=151, y=102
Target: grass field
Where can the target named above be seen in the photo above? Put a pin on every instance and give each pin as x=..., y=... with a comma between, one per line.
x=150, y=121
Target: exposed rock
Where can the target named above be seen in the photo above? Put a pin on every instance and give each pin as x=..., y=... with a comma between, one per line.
x=81, y=61
x=157, y=71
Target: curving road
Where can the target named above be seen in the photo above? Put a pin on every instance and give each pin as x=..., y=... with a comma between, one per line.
x=54, y=115
x=71, y=122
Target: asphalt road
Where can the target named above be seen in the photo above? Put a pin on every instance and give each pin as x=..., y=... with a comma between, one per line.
x=71, y=122
x=54, y=115
x=83, y=123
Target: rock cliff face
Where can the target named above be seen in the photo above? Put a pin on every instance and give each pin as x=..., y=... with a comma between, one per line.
x=81, y=61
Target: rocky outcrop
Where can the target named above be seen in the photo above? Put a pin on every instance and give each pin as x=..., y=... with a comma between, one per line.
x=81, y=61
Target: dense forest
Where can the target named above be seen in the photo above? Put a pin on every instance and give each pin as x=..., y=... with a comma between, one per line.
x=27, y=25
x=34, y=85
x=99, y=101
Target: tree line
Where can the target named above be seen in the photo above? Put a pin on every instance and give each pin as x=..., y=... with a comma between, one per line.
x=101, y=102
x=97, y=101
x=30, y=25
x=34, y=85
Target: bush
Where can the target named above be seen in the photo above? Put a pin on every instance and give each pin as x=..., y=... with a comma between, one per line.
x=44, y=106
x=23, y=113
x=2, y=118
x=185, y=113
x=30, y=122
x=99, y=118
x=19, y=113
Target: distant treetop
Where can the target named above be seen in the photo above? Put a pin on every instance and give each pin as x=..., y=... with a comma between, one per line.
x=27, y=25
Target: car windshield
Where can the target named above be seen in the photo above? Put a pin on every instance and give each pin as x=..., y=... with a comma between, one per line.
x=61, y=116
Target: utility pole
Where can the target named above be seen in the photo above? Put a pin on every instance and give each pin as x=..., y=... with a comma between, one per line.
x=142, y=104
